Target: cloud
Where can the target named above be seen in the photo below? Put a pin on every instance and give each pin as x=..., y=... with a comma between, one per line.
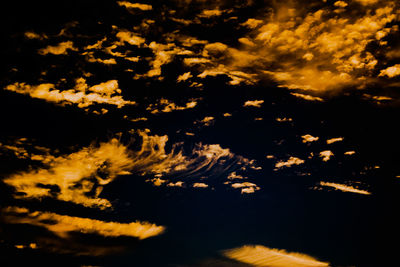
x=184, y=77
x=78, y=177
x=253, y=103
x=82, y=95
x=259, y=255
x=33, y=35
x=326, y=155
x=289, y=163
x=344, y=188
x=140, y=6
x=391, y=72
x=165, y=105
x=200, y=185
x=309, y=138
x=208, y=13
x=246, y=187
x=349, y=152
x=130, y=38
x=334, y=140
x=206, y=121
x=62, y=225
x=60, y=49
x=307, y=97
x=176, y=184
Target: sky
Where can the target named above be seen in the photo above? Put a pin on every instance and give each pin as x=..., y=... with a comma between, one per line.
x=191, y=133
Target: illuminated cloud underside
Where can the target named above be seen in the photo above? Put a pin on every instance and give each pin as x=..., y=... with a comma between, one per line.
x=62, y=225
x=289, y=163
x=269, y=257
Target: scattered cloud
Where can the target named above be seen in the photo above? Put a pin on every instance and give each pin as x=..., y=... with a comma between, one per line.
x=334, y=140
x=349, y=152
x=309, y=138
x=344, y=188
x=246, y=187
x=140, y=6
x=60, y=49
x=82, y=95
x=184, y=77
x=307, y=97
x=200, y=185
x=253, y=103
x=289, y=163
x=206, y=121
x=176, y=184
x=164, y=105
x=258, y=255
x=326, y=155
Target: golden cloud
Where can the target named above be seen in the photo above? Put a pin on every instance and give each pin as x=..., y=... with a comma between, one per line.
x=62, y=225
x=309, y=138
x=140, y=6
x=60, y=49
x=82, y=95
x=344, y=188
x=263, y=256
x=253, y=103
x=326, y=155
x=289, y=163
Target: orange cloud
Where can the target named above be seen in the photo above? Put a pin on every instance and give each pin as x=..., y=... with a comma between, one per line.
x=345, y=188
x=140, y=6
x=263, y=256
x=60, y=49
x=62, y=225
x=82, y=95
x=289, y=163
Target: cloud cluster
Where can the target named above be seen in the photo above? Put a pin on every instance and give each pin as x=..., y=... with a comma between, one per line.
x=82, y=95
x=289, y=163
x=60, y=49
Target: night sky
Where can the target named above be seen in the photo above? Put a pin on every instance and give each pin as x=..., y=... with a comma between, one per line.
x=192, y=133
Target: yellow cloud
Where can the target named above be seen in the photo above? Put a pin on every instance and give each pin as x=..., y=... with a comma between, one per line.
x=62, y=225
x=130, y=38
x=82, y=95
x=60, y=49
x=263, y=256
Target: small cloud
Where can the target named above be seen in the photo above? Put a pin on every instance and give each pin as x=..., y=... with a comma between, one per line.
x=307, y=97
x=130, y=5
x=176, y=184
x=283, y=119
x=130, y=38
x=227, y=114
x=289, y=163
x=309, y=138
x=349, y=153
x=208, y=13
x=33, y=35
x=334, y=140
x=207, y=121
x=344, y=188
x=234, y=175
x=391, y=72
x=252, y=23
x=184, y=77
x=253, y=103
x=165, y=106
x=157, y=181
x=326, y=155
x=246, y=187
x=200, y=185
x=340, y=4
x=60, y=49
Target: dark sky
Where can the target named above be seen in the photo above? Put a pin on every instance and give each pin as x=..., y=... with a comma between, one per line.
x=200, y=133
